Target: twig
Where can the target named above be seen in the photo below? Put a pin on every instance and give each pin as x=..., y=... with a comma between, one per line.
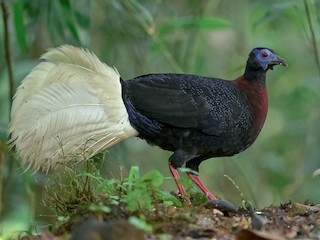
x=7, y=47
x=313, y=36
x=8, y=57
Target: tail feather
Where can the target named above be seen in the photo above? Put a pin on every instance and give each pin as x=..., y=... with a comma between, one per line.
x=68, y=105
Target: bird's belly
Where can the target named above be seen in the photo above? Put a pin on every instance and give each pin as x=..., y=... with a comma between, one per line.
x=197, y=143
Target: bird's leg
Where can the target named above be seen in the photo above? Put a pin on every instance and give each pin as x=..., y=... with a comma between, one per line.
x=200, y=184
x=176, y=178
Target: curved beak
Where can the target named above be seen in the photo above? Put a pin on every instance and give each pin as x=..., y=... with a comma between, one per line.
x=277, y=61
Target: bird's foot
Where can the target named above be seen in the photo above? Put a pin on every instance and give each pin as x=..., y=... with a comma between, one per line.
x=202, y=187
x=186, y=200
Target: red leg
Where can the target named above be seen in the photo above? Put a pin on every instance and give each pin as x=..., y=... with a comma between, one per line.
x=203, y=188
x=176, y=178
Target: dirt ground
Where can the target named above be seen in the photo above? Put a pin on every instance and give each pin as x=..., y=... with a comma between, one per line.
x=287, y=221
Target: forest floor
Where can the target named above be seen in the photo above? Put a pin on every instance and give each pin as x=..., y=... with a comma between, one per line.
x=88, y=206
x=287, y=221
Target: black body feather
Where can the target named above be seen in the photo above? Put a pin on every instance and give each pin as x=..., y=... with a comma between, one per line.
x=193, y=116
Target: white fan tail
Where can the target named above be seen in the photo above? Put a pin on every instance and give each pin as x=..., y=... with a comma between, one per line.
x=70, y=105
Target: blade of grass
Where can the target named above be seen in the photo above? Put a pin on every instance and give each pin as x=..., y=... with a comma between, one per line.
x=313, y=36
x=18, y=8
x=202, y=22
x=8, y=57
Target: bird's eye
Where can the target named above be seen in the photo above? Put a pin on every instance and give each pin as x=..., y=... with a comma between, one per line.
x=264, y=54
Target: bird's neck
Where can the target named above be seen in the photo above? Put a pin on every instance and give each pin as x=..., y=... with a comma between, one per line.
x=253, y=90
x=255, y=76
x=256, y=94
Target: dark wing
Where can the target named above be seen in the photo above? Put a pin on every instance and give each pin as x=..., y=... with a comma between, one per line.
x=186, y=101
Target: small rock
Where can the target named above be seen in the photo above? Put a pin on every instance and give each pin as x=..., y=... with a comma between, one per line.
x=257, y=221
x=222, y=205
x=298, y=209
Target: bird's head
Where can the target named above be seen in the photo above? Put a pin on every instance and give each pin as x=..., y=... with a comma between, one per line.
x=264, y=59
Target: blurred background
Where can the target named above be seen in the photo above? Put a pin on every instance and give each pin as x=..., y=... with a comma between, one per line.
x=204, y=37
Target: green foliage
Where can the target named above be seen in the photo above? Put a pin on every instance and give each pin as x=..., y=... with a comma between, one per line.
x=190, y=22
x=74, y=193
x=145, y=192
x=187, y=170
x=100, y=207
x=140, y=223
x=15, y=223
x=316, y=173
x=19, y=24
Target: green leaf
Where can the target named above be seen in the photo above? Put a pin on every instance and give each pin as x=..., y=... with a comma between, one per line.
x=19, y=24
x=17, y=220
x=65, y=3
x=154, y=177
x=63, y=219
x=167, y=197
x=99, y=208
x=90, y=175
x=134, y=174
x=82, y=20
x=202, y=22
x=164, y=236
x=316, y=173
x=139, y=199
x=109, y=185
x=188, y=170
x=140, y=224
x=69, y=19
x=142, y=12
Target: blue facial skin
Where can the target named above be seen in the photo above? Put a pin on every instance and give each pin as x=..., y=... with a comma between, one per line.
x=266, y=58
